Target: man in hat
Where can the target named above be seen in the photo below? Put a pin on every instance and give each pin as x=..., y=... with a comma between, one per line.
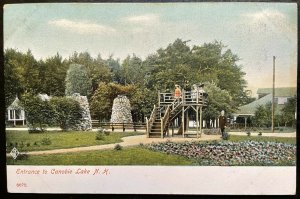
x=222, y=122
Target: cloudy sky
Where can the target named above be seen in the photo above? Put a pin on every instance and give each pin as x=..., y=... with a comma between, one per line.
x=254, y=31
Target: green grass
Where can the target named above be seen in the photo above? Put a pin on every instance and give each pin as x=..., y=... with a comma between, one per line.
x=266, y=130
x=238, y=138
x=60, y=140
x=126, y=156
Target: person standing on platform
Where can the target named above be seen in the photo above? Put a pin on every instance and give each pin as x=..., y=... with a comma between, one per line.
x=177, y=91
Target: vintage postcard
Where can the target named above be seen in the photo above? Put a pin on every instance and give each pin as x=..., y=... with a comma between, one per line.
x=151, y=98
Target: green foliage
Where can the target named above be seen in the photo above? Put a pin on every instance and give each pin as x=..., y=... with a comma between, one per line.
x=288, y=112
x=263, y=115
x=52, y=73
x=100, y=135
x=98, y=70
x=78, y=81
x=218, y=100
x=39, y=113
x=67, y=112
x=132, y=70
x=118, y=147
x=46, y=141
x=179, y=64
x=102, y=100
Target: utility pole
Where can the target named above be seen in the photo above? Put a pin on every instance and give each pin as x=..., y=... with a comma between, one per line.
x=273, y=94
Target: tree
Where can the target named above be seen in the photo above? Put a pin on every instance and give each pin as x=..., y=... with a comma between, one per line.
x=218, y=100
x=210, y=62
x=288, y=112
x=53, y=74
x=98, y=70
x=67, y=112
x=132, y=70
x=115, y=66
x=39, y=113
x=102, y=100
x=12, y=85
x=78, y=81
x=263, y=115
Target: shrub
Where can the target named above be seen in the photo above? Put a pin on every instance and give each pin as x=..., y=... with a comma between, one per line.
x=46, y=141
x=100, y=136
x=28, y=144
x=39, y=113
x=107, y=133
x=67, y=112
x=249, y=133
x=36, y=130
x=118, y=147
x=226, y=136
x=260, y=133
x=22, y=156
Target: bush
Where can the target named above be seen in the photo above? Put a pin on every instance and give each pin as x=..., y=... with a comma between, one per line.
x=226, y=136
x=46, y=141
x=39, y=113
x=28, y=144
x=36, y=130
x=67, y=112
x=107, y=133
x=100, y=136
x=260, y=133
x=249, y=133
x=22, y=157
x=118, y=147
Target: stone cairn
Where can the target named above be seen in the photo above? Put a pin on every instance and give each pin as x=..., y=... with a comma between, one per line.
x=86, y=121
x=121, y=110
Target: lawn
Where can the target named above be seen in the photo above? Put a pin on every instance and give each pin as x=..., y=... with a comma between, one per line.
x=126, y=156
x=238, y=138
x=25, y=141
x=266, y=130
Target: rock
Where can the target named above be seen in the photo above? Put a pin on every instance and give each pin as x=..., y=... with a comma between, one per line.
x=121, y=110
x=86, y=121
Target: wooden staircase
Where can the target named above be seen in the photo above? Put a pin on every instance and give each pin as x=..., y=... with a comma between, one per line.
x=161, y=117
x=169, y=108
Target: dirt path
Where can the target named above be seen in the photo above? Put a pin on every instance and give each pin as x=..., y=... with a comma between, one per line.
x=127, y=141
x=136, y=140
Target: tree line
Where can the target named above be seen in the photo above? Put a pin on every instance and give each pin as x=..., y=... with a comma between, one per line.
x=101, y=80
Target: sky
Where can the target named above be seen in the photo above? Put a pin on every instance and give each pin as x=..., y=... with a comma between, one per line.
x=254, y=31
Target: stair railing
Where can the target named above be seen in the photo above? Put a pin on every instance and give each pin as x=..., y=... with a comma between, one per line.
x=151, y=120
x=164, y=121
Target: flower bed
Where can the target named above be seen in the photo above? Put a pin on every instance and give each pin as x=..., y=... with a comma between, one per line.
x=232, y=153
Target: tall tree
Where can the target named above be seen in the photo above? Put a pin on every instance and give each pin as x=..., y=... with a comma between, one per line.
x=78, y=81
x=132, y=70
x=53, y=74
x=97, y=69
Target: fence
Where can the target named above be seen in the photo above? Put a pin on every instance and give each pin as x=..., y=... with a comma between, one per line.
x=124, y=126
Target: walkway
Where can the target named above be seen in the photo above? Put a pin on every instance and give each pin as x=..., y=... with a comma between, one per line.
x=137, y=140
x=127, y=141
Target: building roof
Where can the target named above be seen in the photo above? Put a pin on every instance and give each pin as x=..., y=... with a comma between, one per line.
x=249, y=109
x=279, y=92
x=15, y=105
